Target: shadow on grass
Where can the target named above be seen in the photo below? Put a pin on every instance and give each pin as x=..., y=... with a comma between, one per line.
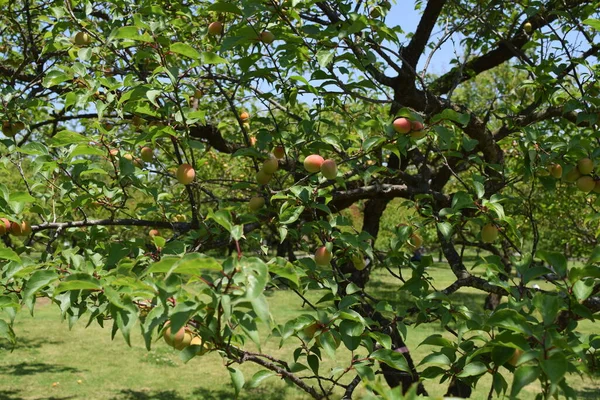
x=588, y=393
x=26, y=343
x=246, y=394
x=13, y=395
x=128, y=394
x=23, y=369
x=390, y=291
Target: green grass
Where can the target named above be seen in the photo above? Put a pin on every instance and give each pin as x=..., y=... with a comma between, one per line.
x=53, y=362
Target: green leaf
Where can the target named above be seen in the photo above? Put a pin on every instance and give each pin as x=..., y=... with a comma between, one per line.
x=473, y=369
x=54, y=78
x=258, y=377
x=38, y=280
x=286, y=271
x=21, y=197
x=556, y=260
x=194, y=264
x=313, y=362
x=291, y=215
x=555, y=367
x=511, y=320
x=164, y=265
x=248, y=324
x=437, y=340
x=212, y=58
x=131, y=33
x=325, y=57
x=222, y=218
x=185, y=50
x=392, y=358
x=523, y=376
x=436, y=358
x=451, y=115
x=223, y=7
x=66, y=138
x=256, y=273
x=7, y=332
x=7, y=253
x=384, y=340
x=594, y=23
x=261, y=308
x=328, y=342
x=583, y=289
x=237, y=378
x=351, y=332
x=78, y=281
x=445, y=229
x=591, y=271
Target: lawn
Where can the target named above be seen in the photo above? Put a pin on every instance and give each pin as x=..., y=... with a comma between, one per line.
x=53, y=362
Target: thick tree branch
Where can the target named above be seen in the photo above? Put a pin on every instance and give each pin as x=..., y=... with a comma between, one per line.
x=245, y=356
x=211, y=134
x=179, y=226
x=415, y=48
x=502, y=53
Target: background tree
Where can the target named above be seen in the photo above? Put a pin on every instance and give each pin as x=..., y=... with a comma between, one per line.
x=228, y=99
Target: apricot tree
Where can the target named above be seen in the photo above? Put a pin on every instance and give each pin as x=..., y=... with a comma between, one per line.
x=194, y=121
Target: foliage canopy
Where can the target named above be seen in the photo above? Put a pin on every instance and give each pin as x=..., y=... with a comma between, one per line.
x=84, y=86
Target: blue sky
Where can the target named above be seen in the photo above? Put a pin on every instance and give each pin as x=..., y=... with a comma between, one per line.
x=408, y=18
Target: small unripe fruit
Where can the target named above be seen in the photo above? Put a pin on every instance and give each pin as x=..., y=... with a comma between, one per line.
x=256, y=203
x=572, y=175
x=402, y=125
x=329, y=169
x=359, y=262
x=18, y=126
x=416, y=126
x=267, y=37
x=244, y=116
x=415, y=240
x=528, y=27
x=113, y=152
x=313, y=163
x=585, y=166
x=180, y=218
x=171, y=338
x=25, y=228
x=586, y=184
x=136, y=120
x=128, y=156
x=416, y=135
x=322, y=256
x=489, y=233
x=270, y=166
x=22, y=229
x=555, y=170
x=515, y=357
x=215, y=28
x=263, y=178
x=596, y=187
x=138, y=163
x=185, y=342
x=197, y=341
x=310, y=330
x=4, y=226
x=185, y=174
x=8, y=130
x=279, y=152
x=147, y=154
x=153, y=233
x=82, y=39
